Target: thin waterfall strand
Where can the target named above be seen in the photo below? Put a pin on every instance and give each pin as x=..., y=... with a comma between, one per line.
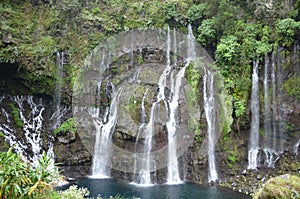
x=209, y=102
x=254, y=133
x=104, y=129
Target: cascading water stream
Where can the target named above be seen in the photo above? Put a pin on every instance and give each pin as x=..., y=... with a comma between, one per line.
x=144, y=177
x=254, y=133
x=268, y=145
x=104, y=129
x=29, y=142
x=274, y=117
x=173, y=173
x=60, y=110
x=270, y=113
x=280, y=100
x=209, y=107
x=274, y=103
x=191, y=51
x=171, y=106
x=159, y=128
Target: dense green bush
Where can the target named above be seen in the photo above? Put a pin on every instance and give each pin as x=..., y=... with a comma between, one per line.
x=19, y=179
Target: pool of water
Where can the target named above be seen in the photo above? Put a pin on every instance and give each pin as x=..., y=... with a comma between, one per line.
x=187, y=190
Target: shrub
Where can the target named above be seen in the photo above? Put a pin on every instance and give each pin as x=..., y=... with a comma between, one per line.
x=65, y=127
x=19, y=179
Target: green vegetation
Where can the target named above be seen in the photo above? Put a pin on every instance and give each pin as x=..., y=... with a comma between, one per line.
x=285, y=186
x=231, y=158
x=292, y=86
x=16, y=115
x=20, y=180
x=193, y=76
x=140, y=60
x=67, y=126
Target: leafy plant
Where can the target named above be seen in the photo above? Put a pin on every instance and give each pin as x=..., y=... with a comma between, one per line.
x=286, y=29
x=66, y=126
x=19, y=179
x=140, y=59
x=231, y=158
x=169, y=11
x=207, y=32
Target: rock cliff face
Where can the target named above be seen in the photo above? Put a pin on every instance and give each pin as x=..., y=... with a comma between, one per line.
x=231, y=150
x=146, y=74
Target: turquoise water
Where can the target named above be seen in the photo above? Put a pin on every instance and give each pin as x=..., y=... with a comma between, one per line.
x=188, y=190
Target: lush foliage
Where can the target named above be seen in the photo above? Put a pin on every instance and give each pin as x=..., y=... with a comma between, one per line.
x=19, y=179
x=292, y=86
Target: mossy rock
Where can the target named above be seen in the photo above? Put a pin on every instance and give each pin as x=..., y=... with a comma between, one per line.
x=284, y=186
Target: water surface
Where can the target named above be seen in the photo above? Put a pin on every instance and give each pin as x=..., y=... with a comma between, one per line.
x=187, y=190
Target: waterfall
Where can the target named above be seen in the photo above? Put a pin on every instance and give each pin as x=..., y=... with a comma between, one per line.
x=26, y=140
x=104, y=129
x=144, y=175
x=158, y=111
x=254, y=133
x=270, y=113
x=268, y=145
x=173, y=173
x=267, y=107
x=274, y=118
x=191, y=51
x=174, y=78
x=209, y=107
x=274, y=103
x=57, y=115
x=280, y=100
